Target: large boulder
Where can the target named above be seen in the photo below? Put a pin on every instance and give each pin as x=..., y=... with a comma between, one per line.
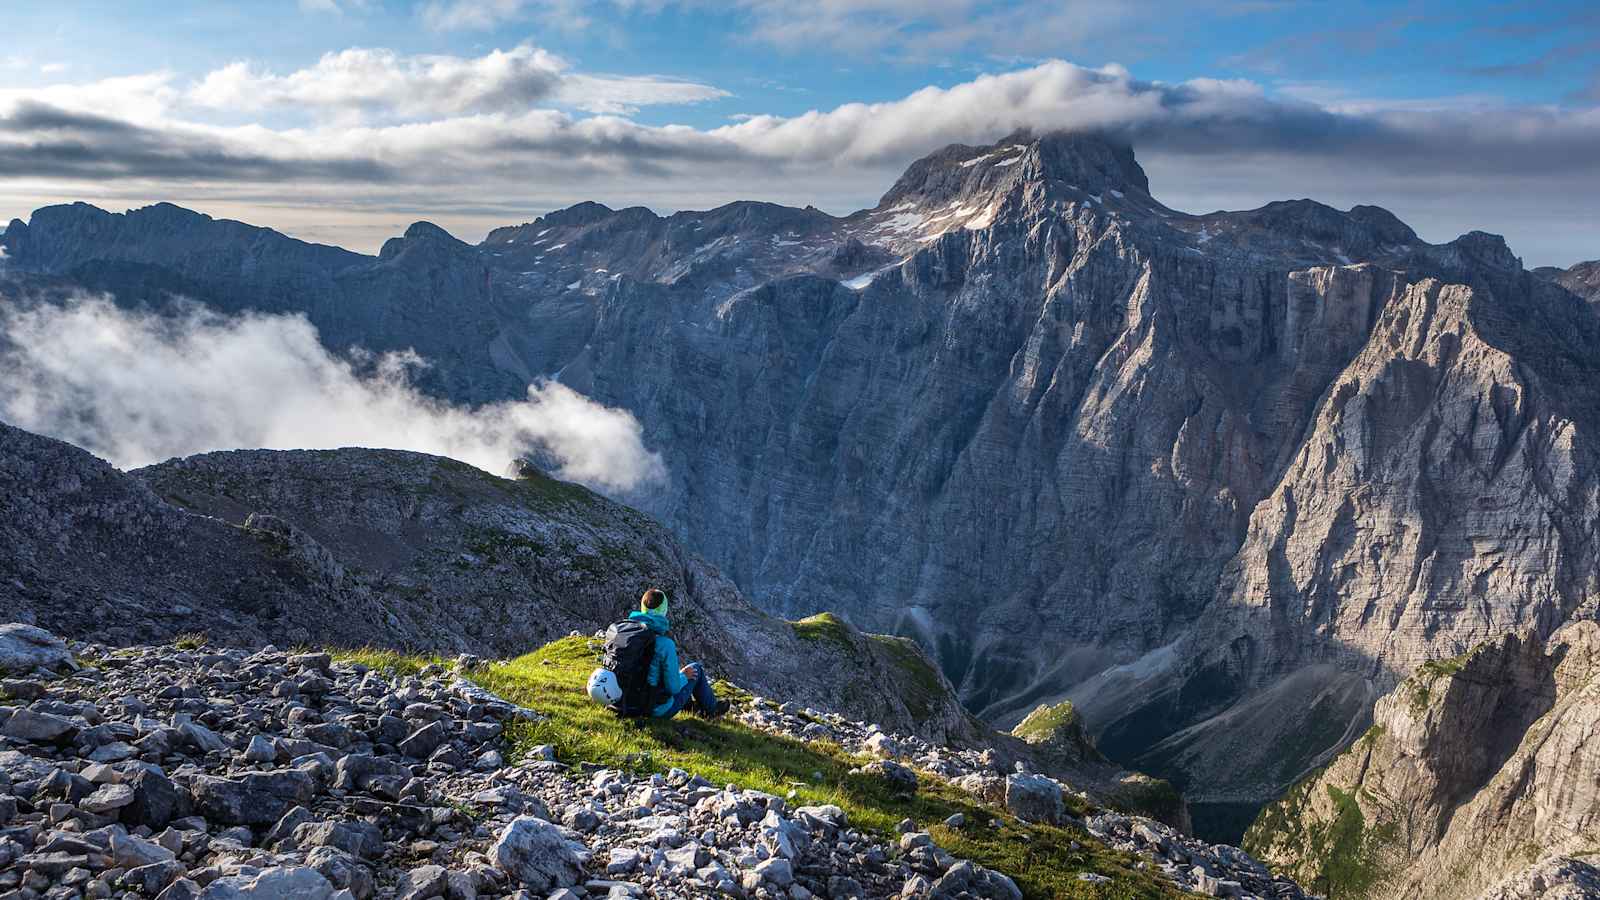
x=155, y=799
x=541, y=856
x=24, y=648
x=343, y=870
x=1034, y=798
x=278, y=883
x=37, y=727
x=258, y=798
x=357, y=838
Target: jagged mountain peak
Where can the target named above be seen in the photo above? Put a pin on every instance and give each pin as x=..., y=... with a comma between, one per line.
x=429, y=231
x=1091, y=163
x=423, y=235
x=1487, y=249
x=1582, y=279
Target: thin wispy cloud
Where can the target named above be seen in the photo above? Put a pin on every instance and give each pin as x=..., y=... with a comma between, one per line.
x=905, y=29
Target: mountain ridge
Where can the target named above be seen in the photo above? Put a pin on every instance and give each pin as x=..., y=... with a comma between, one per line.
x=1003, y=405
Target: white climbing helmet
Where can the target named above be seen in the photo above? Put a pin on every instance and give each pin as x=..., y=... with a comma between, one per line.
x=604, y=687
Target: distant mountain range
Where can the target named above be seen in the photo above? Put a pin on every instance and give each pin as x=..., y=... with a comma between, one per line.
x=1219, y=479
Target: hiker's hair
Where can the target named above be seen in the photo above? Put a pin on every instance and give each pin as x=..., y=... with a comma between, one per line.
x=652, y=598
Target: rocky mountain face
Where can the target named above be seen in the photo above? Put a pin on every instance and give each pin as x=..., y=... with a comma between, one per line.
x=1476, y=768
x=1218, y=479
x=1582, y=279
x=387, y=548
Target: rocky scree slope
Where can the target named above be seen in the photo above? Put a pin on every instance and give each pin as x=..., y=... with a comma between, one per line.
x=403, y=550
x=1475, y=768
x=1077, y=443
x=180, y=772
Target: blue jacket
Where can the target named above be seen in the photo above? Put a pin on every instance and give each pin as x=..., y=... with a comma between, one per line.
x=664, y=665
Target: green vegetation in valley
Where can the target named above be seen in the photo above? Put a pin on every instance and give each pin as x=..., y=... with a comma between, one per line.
x=1340, y=857
x=1044, y=861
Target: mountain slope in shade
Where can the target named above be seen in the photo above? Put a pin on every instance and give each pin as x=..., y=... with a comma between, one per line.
x=1582, y=279
x=1219, y=479
x=364, y=547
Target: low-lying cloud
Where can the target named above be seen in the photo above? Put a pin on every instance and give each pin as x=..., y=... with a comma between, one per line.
x=136, y=387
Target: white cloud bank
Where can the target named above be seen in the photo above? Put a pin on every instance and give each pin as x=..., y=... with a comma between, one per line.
x=137, y=388
x=374, y=81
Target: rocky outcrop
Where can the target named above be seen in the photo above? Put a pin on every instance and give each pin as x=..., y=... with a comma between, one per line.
x=394, y=549
x=220, y=773
x=1475, y=767
x=1556, y=878
x=1582, y=279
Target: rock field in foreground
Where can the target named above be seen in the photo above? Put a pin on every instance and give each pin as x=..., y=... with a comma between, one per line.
x=163, y=772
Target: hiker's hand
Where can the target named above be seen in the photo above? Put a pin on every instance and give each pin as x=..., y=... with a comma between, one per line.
x=687, y=670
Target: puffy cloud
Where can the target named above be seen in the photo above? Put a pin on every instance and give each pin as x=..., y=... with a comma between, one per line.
x=362, y=80
x=136, y=388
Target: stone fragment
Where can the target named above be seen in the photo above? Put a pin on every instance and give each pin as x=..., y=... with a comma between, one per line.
x=1034, y=798
x=24, y=648
x=277, y=883
x=108, y=798
x=422, y=883
x=539, y=855
x=37, y=727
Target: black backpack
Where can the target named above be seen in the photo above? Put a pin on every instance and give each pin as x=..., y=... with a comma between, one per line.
x=630, y=649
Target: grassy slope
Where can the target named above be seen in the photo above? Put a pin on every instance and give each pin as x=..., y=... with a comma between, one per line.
x=1041, y=859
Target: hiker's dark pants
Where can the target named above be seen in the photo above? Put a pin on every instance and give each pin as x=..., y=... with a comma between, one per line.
x=697, y=691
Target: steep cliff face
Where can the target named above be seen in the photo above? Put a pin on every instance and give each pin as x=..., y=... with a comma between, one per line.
x=1475, y=767
x=1444, y=493
x=1218, y=479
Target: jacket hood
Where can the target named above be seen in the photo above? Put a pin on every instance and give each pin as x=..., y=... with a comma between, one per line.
x=656, y=621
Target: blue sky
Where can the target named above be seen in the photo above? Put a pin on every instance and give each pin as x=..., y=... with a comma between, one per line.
x=1455, y=115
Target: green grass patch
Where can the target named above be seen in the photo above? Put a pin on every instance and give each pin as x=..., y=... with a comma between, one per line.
x=1043, y=860
x=391, y=662
x=1422, y=680
x=1046, y=721
x=920, y=688
x=823, y=627
x=193, y=640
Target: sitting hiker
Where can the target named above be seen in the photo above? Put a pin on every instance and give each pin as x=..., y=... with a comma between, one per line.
x=680, y=685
